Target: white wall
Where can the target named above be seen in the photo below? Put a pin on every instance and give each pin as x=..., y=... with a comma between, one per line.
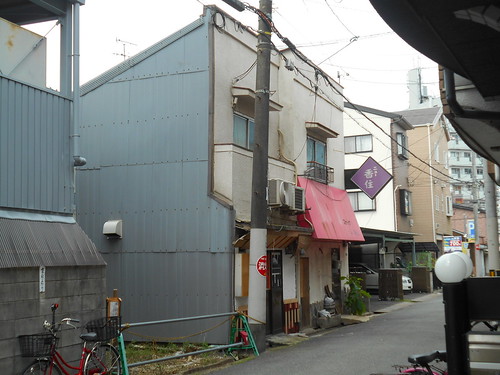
x=355, y=124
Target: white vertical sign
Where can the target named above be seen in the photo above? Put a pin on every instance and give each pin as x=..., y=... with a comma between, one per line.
x=42, y=279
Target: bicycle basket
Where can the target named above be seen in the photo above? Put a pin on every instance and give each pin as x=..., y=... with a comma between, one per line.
x=36, y=345
x=105, y=328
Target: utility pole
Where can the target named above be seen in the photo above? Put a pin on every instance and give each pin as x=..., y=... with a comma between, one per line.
x=258, y=228
x=478, y=255
x=491, y=220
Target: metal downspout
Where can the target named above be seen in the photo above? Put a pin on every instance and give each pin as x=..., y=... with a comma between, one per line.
x=78, y=160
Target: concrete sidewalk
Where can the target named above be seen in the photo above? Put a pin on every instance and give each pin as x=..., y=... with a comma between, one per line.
x=376, y=307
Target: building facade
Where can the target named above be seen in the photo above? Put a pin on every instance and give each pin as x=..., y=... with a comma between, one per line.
x=428, y=175
x=45, y=256
x=387, y=219
x=169, y=134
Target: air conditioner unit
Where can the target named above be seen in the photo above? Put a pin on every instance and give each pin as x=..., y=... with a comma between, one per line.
x=294, y=197
x=276, y=192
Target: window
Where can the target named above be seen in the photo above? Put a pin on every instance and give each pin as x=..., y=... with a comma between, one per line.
x=358, y=143
x=361, y=202
x=436, y=152
x=436, y=202
x=402, y=145
x=348, y=173
x=449, y=206
x=405, y=202
x=467, y=156
x=455, y=155
x=468, y=171
x=479, y=171
x=455, y=172
x=316, y=151
x=243, y=131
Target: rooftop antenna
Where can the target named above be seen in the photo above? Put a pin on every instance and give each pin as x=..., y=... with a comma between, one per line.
x=124, y=43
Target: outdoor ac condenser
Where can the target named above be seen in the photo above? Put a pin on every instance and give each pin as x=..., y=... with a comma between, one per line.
x=294, y=197
x=276, y=192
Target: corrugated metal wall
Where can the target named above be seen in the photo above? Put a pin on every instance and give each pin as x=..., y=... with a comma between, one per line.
x=35, y=165
x=145, y=134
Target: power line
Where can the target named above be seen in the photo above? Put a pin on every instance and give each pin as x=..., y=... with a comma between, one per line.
x=319, y=72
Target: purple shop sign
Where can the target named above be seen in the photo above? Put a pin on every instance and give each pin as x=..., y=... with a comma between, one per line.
x=371, y=177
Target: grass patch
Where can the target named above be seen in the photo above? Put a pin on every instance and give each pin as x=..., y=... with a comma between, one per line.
x=144, y=351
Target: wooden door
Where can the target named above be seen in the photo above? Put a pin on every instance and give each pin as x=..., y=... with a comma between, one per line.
x=304, y=292
x=275, y=266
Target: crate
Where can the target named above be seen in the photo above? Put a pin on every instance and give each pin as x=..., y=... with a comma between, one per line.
x=37, y=345
x=105, y=328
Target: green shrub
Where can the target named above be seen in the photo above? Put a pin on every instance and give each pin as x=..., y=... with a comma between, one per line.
x=356, y=295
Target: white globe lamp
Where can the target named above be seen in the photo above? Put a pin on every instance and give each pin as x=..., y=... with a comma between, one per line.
x=450, y=268
x=467, y=260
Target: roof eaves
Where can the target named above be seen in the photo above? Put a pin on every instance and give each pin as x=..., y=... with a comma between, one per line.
x=141, y=56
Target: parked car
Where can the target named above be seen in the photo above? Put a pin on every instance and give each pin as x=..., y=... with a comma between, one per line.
x=372, y=277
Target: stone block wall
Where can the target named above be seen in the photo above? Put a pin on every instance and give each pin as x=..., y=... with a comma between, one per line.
x=80, y=292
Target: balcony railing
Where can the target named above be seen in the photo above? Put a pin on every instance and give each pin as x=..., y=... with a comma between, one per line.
x=319, y=172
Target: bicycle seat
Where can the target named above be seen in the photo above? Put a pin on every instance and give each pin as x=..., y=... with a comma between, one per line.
x=425, y=359
x=90, y=336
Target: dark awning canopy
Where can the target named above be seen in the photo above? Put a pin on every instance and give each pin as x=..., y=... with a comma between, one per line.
x=24, y=12
x=456, y=34
x=419, y=247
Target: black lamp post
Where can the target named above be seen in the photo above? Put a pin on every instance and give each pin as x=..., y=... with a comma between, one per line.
x=451, y=269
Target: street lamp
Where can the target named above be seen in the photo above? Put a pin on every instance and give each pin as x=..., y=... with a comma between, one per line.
x=452, y=269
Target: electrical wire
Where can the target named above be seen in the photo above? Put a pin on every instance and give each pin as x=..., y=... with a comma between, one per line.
x=338, y=18
x=318, y=71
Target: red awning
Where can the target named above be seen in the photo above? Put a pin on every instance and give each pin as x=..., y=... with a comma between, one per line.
x=330, y=212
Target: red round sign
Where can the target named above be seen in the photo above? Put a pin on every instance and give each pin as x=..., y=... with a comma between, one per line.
x=261, y=265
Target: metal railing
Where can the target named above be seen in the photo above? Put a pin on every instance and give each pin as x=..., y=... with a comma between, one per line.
x=319, y=172
x=121, y=343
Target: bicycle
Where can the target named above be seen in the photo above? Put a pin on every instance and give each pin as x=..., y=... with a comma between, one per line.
x=98, y=357
x=425, y=364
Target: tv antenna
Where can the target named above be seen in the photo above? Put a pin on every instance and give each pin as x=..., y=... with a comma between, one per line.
x=125, y=44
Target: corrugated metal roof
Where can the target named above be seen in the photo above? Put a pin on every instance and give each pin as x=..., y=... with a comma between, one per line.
x=422, y=116
x=26, y=243
x=141, y=56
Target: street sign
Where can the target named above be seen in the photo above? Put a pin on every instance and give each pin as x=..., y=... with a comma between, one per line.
x=261, y=265
x=471, y=231
x=371, y=177
x=452, y=243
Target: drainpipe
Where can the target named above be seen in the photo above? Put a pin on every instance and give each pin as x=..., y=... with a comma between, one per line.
x=432, y=183
x=78, y=161
x=395, y=209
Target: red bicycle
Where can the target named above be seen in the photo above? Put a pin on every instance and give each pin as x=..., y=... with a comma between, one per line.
x=98, y=357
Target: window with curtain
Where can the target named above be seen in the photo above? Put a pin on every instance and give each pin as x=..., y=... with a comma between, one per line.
x=361, y=202
x=243, y=131
x=358, y=143
x=405, y=202
x=316, y=151
x=402, y=146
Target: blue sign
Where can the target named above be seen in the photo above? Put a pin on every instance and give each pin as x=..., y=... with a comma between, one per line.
x=471, y=230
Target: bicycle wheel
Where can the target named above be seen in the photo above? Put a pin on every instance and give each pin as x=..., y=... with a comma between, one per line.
x=42, y=367
x=103, y=360
x=418, y=371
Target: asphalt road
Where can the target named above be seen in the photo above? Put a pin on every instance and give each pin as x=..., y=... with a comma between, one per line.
x=359, y=349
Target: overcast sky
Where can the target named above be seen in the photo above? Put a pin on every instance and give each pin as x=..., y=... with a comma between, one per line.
x=346, y=38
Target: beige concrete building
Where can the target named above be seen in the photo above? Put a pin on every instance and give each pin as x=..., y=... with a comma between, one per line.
x=428, y=176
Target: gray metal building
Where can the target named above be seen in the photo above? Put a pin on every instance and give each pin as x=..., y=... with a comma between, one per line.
x=146, y=132
x=45, y=256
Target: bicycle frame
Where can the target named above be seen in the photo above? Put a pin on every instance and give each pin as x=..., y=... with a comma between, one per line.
x=63, y=365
